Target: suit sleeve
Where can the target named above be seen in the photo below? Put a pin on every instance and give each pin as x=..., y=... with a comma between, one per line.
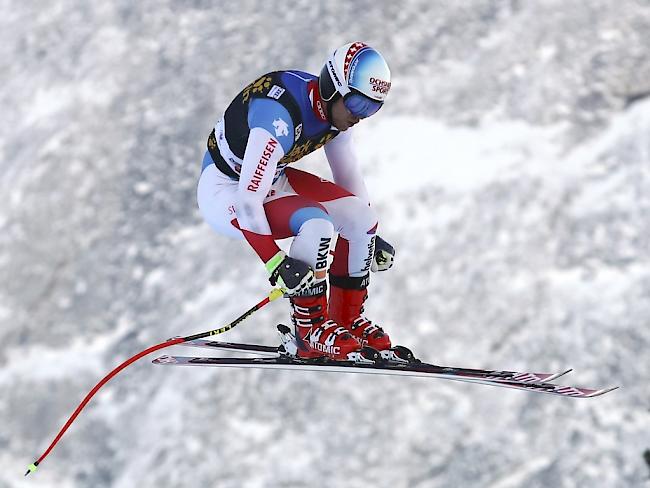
x=263, y=151
x=270, y=138
x=345, y=166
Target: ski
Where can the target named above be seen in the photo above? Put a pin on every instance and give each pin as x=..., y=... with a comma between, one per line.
x=493, y=375
x=398, y=369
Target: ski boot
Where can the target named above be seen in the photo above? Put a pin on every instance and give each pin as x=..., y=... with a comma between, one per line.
x=317, y=336
x=347, y=296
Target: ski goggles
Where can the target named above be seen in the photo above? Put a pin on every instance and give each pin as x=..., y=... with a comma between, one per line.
x=360, y=105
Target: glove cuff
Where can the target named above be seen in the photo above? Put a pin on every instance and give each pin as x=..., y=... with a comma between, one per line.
x=274, y=262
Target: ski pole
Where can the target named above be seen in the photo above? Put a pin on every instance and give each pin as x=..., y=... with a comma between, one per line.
x=274, y=294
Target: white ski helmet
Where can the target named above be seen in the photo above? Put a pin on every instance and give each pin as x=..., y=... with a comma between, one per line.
x=356, y=69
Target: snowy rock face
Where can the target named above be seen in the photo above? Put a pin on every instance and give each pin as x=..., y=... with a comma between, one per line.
x=523, y=242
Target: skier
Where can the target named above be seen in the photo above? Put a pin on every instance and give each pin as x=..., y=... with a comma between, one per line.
x=246, y=191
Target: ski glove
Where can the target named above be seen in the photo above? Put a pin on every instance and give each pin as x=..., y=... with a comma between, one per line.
x=384, y=255
x=292, y=275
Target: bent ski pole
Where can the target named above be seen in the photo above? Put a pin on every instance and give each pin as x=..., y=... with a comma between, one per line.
x=274, y=294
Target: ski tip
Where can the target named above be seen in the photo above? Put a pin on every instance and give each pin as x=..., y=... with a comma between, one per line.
x=31, y=468
x=558, y=375
x=603, y=391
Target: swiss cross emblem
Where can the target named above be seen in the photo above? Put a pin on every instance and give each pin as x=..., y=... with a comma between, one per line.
x=352, y=51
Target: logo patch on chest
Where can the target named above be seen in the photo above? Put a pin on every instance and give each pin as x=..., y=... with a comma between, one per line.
x=281, y=127
x=275, y=92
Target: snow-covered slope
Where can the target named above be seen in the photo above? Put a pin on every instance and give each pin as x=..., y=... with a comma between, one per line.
x=523, y=242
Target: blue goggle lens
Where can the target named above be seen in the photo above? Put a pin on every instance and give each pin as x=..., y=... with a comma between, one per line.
x=360, y=105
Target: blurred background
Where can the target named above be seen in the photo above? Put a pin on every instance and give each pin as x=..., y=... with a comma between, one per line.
x=510, y=168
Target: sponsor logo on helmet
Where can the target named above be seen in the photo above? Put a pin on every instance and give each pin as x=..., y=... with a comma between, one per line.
x=380, y=86
x=353, y=68
x=333, y=74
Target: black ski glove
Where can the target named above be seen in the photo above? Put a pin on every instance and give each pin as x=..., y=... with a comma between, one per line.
x=384, y=255
x=292, y=275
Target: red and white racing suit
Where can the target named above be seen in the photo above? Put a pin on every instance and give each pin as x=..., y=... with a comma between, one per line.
x=264, y=206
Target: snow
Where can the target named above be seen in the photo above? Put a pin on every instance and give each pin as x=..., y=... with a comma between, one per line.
x=81, y=356
x=458, y=159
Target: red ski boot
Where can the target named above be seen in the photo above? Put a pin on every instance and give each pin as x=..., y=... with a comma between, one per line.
x=346, y=307
x=316, y=335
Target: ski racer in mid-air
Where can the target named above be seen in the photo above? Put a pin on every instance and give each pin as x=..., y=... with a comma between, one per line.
x=247, y=191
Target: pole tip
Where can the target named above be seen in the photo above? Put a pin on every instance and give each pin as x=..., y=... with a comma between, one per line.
x=31, y=468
